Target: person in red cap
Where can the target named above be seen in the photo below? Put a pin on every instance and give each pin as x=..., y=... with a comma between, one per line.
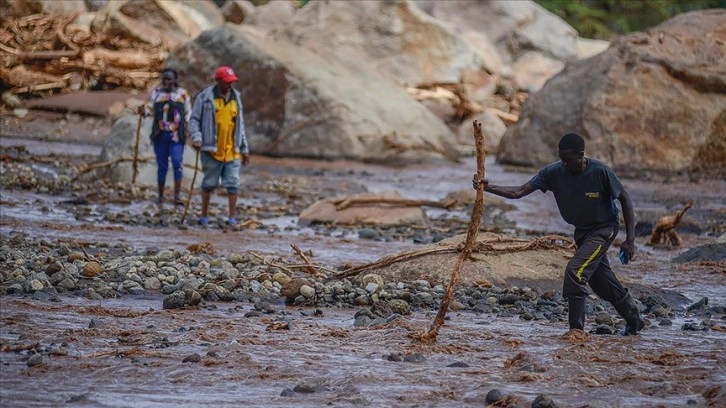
x=218, y=132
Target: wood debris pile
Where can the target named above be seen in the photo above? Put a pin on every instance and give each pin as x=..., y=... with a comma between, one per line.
x=42, y=54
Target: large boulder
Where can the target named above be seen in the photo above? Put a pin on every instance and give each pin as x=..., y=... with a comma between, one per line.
x=120, y=144
x=515, y=27
x=300, y=104
x=157, y=22
x=271, y=16
x=652, y=101
x=395, y=36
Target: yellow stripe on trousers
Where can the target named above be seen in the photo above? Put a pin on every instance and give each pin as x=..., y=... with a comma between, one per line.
x=582, y=268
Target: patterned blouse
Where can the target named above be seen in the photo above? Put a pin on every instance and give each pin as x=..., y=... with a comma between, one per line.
x=171, y=111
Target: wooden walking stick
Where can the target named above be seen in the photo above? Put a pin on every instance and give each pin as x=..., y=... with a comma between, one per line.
x=136, y=152
x=191, y=188
x=471, y=234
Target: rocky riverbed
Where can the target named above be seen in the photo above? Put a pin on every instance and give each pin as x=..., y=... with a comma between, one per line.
x=97, y=279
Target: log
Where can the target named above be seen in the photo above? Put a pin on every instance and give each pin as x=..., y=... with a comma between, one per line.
x=39, y=55
x=476, y=215
x=509, y=117
x=122, y=59
x=402, y=202
x=41, y=87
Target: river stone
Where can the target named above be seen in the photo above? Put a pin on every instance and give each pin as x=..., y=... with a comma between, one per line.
x=456, y=306
x=35, y=285
x=414, y=358
x=92, y=269
x=368, y=233
x=604, y=318
x=152, y=283
x=544, y=401
x=67, y=284
x=307, y=291
x=281, y=277
x=399, y=306
x=53, y=268
x=291, y=289
x=175, y=301
x=361, y=300
x=194, y=358
x=35, y=360
x=493, y=396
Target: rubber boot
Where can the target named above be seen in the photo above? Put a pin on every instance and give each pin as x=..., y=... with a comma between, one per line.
x=576, y=312
x=628, y=310
x=177, y=191
x=161, y=194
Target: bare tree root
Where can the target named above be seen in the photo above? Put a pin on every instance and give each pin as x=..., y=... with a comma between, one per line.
x=664, y=231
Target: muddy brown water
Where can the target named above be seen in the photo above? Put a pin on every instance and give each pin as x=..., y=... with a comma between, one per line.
x=133, y=355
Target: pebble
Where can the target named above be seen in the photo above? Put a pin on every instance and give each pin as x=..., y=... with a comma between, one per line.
x=35, y=360
x=194, y=358
x=544, y=401
x=494, y=396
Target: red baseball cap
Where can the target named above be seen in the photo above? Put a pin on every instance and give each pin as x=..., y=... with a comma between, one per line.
x=226, y=74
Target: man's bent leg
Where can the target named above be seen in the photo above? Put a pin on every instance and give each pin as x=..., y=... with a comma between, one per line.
x=605, y=284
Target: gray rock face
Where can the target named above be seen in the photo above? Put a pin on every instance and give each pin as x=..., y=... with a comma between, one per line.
x=515, y=27
x=395, y=36
x=298, y=103
x=652, y=101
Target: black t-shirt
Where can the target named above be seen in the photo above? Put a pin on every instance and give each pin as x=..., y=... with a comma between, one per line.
x=585, y=200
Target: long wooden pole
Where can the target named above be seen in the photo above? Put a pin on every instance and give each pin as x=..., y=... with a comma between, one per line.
x=471, y=234
x=191, y=188
x=136, y=152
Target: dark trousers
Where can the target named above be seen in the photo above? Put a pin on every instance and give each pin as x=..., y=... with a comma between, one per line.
x=590, y=265
x=165, y=148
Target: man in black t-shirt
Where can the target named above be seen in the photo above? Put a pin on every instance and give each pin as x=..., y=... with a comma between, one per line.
x=585, y=190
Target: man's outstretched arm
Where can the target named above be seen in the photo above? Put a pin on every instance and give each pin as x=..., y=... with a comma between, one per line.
x=512, y=192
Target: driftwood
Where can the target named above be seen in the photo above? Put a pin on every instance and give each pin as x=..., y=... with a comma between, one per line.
x=471, y=234
x=498, y=245
x=109, y=163
x=9, y=348
x=52, y=45
x=309, y=265
x=509, y=117
x=399, y=202
x=122, y=59
x=191, y=187
x=665, y=229
x=265, y=261
x=39, y=55
x=135, y=165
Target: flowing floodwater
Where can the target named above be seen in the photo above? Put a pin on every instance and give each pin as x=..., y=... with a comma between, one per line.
x=129, y=352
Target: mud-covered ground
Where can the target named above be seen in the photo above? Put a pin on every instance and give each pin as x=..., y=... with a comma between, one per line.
x=69, y=349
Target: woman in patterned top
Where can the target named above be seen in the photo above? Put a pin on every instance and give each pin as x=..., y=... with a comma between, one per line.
x=171, y=107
